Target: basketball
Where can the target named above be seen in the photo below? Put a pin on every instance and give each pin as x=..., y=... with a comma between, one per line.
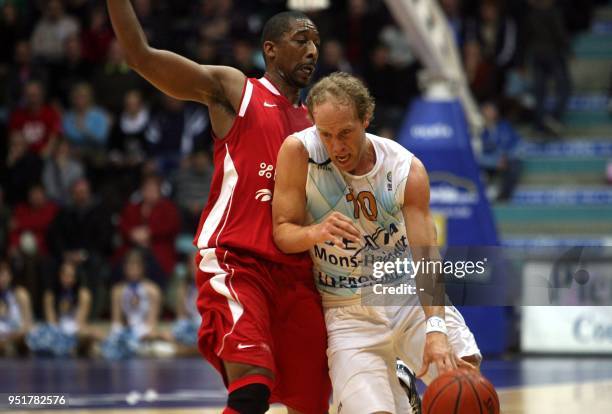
x=460, y=392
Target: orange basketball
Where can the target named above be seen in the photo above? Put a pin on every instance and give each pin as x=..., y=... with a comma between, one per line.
x=460, y=392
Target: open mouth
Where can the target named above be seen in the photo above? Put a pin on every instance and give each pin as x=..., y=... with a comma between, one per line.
x=343, y=159
x=307, y=70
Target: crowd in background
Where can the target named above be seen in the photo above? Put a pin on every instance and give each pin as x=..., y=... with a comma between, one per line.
x=98, y=168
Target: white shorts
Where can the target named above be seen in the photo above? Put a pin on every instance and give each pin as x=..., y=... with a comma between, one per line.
x=363, y=343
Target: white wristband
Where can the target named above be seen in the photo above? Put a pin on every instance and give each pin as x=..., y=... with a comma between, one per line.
x=435, y=324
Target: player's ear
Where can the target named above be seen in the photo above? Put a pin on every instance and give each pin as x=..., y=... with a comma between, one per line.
x=269, y=50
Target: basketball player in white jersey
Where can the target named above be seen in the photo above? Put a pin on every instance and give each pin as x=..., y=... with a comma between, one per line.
x=344, y=194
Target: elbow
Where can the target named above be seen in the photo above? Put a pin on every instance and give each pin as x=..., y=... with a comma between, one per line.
x=279, y=241
x=137, y=58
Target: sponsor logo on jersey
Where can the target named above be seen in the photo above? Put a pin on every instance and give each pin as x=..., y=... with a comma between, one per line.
x=265, y=170
x=263, y=195
x=269, y=105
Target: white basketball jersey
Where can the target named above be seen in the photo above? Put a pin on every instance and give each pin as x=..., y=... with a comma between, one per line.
x=373, y=202
x=135, y=306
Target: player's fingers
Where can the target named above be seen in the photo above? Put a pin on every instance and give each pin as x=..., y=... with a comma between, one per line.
x=464, y=364
x=348, y=231
x=424, y=368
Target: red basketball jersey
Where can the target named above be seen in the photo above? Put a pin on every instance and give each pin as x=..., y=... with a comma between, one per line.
x=238, y=215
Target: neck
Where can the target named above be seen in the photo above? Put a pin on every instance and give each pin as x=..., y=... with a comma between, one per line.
x=277, y=78
x=367, y=160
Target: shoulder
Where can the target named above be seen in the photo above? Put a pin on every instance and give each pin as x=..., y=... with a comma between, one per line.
x=417, y=185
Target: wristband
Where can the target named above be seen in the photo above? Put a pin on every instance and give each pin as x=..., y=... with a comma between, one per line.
x=435, y=324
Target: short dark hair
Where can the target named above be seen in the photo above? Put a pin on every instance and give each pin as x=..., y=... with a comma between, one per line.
x=279, y=24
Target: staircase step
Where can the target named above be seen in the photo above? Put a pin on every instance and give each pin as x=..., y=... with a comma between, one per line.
x=571, y=146
x=562, y=196
x=592, y=45
x=538, y=240
x=553, y=220
x=590, y=75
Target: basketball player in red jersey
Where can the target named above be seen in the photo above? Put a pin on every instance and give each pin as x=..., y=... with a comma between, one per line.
x=262, y=324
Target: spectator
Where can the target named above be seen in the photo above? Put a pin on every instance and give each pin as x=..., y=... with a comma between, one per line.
x=71, y=239
x=67, y=306
x=38, y=122
x=21, y=73
x=30, y=222
x=185, y=328
x=28, y=245
x=452, y=10
x=5, y=217
x=51, y=32
x=96, y=38
x=127, y=141
x=361, y=27
x=482, y=75
x=174, y=131
x=499, y=151
x=548, y=46
x=86, y=126
x=70, y=71
x=332, y=60
x=497, y=36
x=23, y=169
x=243, y=59
x=115, y=77
x=151, y=223
x=135, y=309
x=11, y=29
x=60, y=172
x=15, y=313
x=191, y=187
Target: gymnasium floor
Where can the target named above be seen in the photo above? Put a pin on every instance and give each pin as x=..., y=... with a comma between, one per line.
x=526, y=386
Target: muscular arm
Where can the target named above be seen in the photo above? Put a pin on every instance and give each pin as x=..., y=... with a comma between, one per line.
x=219, y=87
x=289, y=206
x=421, y=232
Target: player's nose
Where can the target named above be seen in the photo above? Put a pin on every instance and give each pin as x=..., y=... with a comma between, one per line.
x=312, y=53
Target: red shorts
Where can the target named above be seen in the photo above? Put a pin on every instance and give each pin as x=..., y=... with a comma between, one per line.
x=268, y=315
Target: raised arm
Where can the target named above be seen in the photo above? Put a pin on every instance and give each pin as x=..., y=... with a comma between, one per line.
x=219, y=87
x=289, y=206
x=422, y=238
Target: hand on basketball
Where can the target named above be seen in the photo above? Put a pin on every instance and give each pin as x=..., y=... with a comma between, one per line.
x=334, y=229
x=439, y=351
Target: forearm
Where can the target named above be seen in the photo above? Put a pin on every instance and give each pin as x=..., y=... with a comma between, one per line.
x=128, y=30
x=293, y=238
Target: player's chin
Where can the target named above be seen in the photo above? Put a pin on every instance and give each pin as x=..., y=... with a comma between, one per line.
x=301, y=80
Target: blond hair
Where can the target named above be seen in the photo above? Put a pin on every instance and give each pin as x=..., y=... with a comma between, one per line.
x=345, y=89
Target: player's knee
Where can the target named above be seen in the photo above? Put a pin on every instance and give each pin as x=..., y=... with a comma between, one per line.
x=250, y=399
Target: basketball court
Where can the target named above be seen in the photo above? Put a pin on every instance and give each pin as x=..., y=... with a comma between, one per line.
x=529, y=385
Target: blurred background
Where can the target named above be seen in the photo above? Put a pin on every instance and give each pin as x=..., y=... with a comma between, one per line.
x=102, y=178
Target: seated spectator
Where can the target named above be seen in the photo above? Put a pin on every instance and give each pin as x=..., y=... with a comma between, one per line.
x=86, y=126
x=151, y=222
x=21, y=72
x=38, y=122
x=28, y=245
x=188, y=319
x=61, y=170
x=15, y=313
x=174, y=131
x=332, y=60
x=23, y=169
x=97, y=37
x=5, y=217
x=30, y=222
x=70, y=239
x=135, y=309
x=67, y=306
x=51, y=32
x=71, y=70
x=127, y=140
x=191, y=187
x=499, y=151
x=482, y=75
x=113, y=78
x=548, y=46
